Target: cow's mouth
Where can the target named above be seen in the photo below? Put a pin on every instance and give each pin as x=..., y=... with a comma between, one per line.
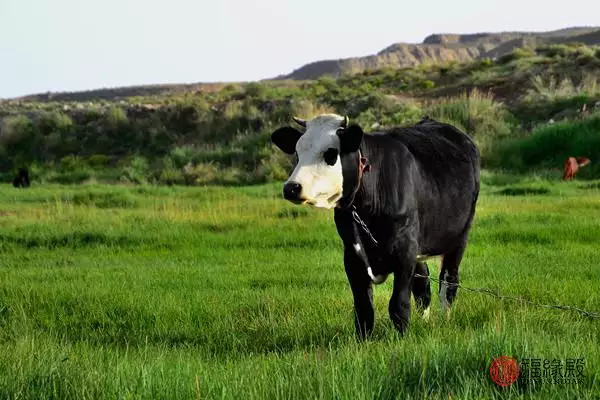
x=329, y=202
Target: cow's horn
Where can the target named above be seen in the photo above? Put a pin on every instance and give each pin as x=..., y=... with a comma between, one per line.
x=345, y=122
x=299, y=121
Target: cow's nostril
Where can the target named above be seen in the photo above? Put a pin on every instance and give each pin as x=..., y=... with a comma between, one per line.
x=291, y=190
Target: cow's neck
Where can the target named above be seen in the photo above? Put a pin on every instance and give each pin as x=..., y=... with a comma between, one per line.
x=354, y=168
x=367, y=181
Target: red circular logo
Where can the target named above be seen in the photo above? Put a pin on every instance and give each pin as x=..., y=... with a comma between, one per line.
x=504, y=371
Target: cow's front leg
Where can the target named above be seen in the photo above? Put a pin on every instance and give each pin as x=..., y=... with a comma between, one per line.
x=362, y=291
x=404, y=267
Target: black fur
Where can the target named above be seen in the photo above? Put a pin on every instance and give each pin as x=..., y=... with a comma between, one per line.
x=418, y=198
x=286, y=138
x=21, y=180
x=350, y=139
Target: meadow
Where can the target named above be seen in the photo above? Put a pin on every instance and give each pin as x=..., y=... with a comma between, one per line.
x=141, y=291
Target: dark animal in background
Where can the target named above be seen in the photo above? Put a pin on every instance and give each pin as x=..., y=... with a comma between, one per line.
x=572, y=165
x=21, y=180
x=414, y=188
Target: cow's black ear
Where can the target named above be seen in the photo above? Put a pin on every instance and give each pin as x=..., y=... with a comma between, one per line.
x=350, y=138
x=286, y=138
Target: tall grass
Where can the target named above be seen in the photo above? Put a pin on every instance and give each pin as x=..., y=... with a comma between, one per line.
x=551, y=98
x=478, y=113
x=548, y=147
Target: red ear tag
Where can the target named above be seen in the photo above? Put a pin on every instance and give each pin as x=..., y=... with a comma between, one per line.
x=366, y=167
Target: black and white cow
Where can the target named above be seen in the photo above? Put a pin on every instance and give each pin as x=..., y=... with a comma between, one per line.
x=21, y=180
x=415, y=188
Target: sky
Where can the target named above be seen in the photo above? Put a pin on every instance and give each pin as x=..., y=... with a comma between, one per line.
x=68, y=45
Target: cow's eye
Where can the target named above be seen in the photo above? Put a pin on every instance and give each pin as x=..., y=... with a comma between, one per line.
x=330, y=156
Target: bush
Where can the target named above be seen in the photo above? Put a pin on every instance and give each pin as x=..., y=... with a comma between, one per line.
x=486, y=120
x=54, y=123
x=548, y=147
x=171, y=176
x=200, y=173
x=556, y=99
x=98, y=160
x=19, y=141
x=71, y=163
x=255, y=90
x=116, y=117
x=427, y=84
x=182, y=155
x=136, y=170
x=275, y=166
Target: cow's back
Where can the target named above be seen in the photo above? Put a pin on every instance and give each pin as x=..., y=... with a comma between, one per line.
x=448, y=165
x=442, y=150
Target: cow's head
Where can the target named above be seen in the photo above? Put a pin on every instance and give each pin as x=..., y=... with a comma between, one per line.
x=327, y=165
x=583, y=161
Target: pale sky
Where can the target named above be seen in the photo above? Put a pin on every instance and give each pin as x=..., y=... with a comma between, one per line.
x=66, y=45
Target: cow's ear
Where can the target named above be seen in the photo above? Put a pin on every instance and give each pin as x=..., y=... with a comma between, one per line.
x=350, y=138
x=286, y=138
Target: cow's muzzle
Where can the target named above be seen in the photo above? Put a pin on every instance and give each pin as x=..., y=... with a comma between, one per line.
x=291, y=191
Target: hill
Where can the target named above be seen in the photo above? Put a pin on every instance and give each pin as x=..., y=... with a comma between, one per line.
x=438, y=48
x=220, y=133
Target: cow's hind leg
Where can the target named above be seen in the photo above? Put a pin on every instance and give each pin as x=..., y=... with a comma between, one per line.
x=421, y=289
x=449, y=276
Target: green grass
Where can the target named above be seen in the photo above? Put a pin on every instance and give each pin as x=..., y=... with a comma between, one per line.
x=212, y=292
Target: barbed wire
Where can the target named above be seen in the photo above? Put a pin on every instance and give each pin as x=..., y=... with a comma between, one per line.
x=489, y=292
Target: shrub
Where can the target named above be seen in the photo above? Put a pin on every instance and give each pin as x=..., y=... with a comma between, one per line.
x=548, y=146
x=136, y=170
x=557, y=99
x=171, y=176
x=98, y=160
x=255, y=90
x=54, y=122
x=19, y=140
x=427, y=84
x=486, y=120
x=71, y=163
x=199, y=174
x=182, y=155
x=116, y=117
x=275, y=166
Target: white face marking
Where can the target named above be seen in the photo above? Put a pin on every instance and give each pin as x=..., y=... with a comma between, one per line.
x=322, y=184
x=357, y=247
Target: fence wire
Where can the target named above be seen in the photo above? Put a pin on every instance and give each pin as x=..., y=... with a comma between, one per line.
x=489, y=292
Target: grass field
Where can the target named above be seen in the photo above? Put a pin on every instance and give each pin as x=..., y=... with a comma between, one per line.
x=164, y=292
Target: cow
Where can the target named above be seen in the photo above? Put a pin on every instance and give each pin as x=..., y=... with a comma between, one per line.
x=399, y=196
x=572, y=165
x=21, y=180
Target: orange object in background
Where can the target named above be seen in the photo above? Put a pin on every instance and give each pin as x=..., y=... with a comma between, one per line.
x=572, y=165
